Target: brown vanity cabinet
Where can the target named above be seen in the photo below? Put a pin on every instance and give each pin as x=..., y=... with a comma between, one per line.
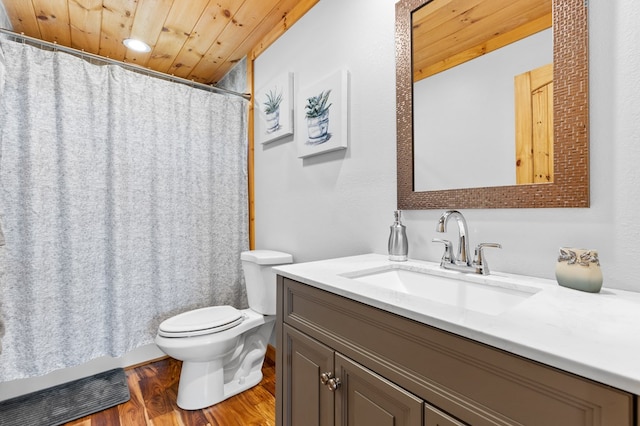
x=341, y=362
x=327, y=388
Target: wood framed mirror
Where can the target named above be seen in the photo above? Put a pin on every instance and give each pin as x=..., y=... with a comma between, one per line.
x=569, y=182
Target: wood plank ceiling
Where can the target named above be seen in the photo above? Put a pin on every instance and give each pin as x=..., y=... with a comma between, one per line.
x=199, y=40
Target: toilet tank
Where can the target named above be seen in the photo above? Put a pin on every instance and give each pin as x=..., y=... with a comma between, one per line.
x=260, y=279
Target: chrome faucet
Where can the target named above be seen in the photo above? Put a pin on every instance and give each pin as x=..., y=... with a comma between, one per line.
x=463, y=243
x=461, y=262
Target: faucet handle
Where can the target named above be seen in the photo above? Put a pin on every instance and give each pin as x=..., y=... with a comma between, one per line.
x=479, y=261
x=448, y=250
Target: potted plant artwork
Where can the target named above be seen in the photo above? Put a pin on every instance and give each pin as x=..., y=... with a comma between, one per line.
x=317, y=114
x=272, y=110
x=315, y=101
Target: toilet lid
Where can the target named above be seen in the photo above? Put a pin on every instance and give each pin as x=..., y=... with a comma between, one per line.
x=201, y=321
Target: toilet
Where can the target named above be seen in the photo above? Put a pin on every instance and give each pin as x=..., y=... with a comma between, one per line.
x=223, y=348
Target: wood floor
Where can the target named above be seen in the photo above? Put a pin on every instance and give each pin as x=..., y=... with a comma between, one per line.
x=154, y=387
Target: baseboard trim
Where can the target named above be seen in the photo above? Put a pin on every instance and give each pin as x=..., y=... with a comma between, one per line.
x=146, y=362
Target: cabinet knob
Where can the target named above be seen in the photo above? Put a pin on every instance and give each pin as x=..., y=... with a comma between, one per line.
x=333, y=384
x=325, y=377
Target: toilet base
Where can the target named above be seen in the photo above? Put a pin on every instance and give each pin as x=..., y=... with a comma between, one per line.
x=203, y=384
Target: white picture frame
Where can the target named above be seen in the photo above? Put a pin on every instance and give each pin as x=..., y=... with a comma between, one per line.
x=323, y=115
x=274, y=109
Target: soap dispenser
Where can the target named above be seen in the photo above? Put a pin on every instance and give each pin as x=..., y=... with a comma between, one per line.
x=398, y=244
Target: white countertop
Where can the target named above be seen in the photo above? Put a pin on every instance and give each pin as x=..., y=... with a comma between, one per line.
x=594, y=335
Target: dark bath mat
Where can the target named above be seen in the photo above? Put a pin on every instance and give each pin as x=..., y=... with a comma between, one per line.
x=66, y=402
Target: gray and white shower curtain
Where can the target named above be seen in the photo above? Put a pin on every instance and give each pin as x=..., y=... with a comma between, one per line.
x=123, y=201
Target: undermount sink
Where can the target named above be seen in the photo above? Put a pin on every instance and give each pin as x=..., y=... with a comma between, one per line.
x=486, y=295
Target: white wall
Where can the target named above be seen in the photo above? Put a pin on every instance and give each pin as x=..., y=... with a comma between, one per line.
x=341, y=203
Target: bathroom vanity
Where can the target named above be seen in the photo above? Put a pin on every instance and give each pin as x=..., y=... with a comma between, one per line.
x=354, y=351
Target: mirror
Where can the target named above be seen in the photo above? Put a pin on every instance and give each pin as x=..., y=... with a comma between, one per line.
x=568, y=173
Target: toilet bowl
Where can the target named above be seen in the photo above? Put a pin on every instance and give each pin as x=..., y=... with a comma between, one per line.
x=223, y=348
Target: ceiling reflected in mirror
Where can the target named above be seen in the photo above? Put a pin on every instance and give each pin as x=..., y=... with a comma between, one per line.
x=446, y=33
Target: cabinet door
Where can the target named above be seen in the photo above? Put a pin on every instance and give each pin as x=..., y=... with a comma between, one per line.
x=367, y=399
x=308, y=403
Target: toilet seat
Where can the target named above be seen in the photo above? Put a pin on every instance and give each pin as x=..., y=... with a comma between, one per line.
x=198, y=322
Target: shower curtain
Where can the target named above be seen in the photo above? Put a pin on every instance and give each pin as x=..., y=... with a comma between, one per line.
x=123, y=201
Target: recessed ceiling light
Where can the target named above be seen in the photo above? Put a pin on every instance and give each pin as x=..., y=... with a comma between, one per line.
x=137, y=45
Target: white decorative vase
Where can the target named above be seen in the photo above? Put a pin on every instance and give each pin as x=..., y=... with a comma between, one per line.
x=273, y=120
x=318, y=128
x=579, y=269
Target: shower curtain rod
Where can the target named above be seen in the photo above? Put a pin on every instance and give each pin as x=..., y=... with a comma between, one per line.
x=132, y=67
